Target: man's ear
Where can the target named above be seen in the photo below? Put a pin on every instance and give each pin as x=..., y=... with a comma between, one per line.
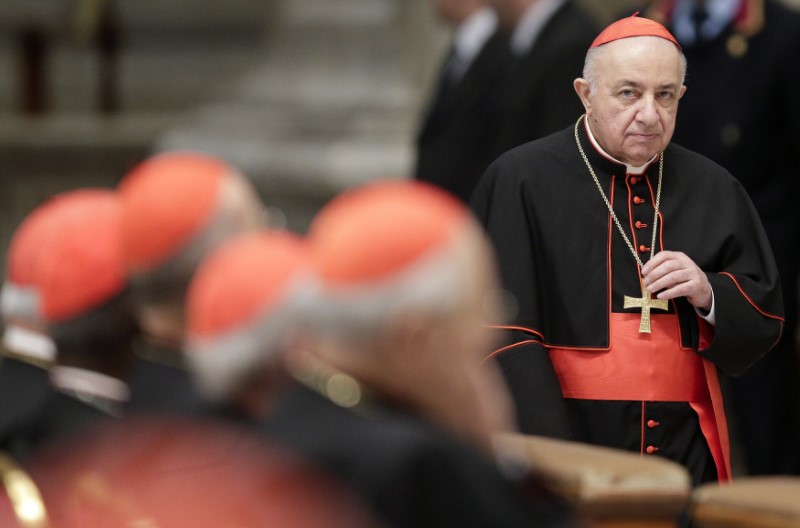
x=682, y=91
x=583, y=89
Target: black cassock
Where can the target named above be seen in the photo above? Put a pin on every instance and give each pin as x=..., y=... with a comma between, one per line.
x=562, y=257
x=411, y=473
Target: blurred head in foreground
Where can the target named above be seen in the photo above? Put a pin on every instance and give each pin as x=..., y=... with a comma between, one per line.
x=242, y=305
x=82, y=286
x=407, y=286
x=177, y=207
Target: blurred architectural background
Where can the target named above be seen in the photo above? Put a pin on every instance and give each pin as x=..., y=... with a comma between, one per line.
x=305, y=96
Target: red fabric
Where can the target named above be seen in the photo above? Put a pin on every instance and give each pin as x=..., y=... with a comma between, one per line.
x=36, y=231
x=23, y=250
x=375, y=231
x=166, y=200
x=243, y=278
x=176, y=473
x=84, y=266
x=636, y=368
x=650, y=367
x=633, y=26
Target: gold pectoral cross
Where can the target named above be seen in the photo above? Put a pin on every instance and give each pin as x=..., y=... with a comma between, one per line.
x=646, y=303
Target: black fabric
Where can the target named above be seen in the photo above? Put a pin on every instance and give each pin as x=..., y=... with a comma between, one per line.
x=23, y=388
x=59, y=416
x=160, y=383
x=455, y=141
x=754, y=132
x=551, y=230
x=412, y=474
x=538, y=91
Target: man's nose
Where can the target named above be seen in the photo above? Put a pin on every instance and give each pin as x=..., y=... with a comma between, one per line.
x=647, y=114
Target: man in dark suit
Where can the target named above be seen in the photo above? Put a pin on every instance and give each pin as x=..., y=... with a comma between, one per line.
x=740, y=110
x=455, y=142
x=391, y=395
x=82, y=302
x=548, y=39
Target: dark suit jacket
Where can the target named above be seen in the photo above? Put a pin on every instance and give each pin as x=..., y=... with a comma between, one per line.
x=411, y=473
x=538, y=92
x=455, y=143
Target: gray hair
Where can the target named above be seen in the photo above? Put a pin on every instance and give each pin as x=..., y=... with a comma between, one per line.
x=591, y=65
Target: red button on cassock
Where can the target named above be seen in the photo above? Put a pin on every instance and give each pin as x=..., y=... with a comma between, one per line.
x=634, y=180
x=652, y=424
x=643, y=249
x=640, y=225
x=651, y=449
x=638, y=200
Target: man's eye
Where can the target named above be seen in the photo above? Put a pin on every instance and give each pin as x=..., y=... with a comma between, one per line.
x=627, y=94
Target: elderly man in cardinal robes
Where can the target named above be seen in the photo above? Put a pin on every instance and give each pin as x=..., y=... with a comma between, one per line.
x=640, y=268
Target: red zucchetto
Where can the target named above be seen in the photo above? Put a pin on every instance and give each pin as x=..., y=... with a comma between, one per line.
x=633, y=26
x=166, y=201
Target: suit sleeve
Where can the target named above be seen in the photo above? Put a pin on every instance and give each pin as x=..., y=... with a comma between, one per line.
x=500, y=207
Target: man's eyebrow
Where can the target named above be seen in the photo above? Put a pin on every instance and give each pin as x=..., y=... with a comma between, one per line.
x=626, y=82
x=638, y=85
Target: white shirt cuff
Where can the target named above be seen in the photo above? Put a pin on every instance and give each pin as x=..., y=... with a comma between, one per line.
x=711, y=316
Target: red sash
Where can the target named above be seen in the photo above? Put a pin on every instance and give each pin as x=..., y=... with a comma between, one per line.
x=650, y=367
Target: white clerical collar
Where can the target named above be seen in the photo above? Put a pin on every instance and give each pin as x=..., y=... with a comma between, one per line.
x=471, y=36
x=629, y=169
x=90, y=383
x=532, y=23
x=27, y=343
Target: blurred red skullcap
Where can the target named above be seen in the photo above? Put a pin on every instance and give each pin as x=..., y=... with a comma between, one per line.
x=245, y=277
x=633, y=26
x=32, y=234
x=166, y=200
x=177, y=473
x=84, y=266
x=376, y=231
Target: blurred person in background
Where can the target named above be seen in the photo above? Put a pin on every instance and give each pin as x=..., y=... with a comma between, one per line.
x=455, y=141
x=548, y=40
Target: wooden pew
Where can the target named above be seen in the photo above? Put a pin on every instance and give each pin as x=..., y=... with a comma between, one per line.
x=609, y=488
x=751, y=502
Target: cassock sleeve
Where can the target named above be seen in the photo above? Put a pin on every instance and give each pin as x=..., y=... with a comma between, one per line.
x=747, y=293
x=523, y=360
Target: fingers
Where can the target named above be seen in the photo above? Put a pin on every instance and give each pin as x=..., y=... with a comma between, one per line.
x=673, y=274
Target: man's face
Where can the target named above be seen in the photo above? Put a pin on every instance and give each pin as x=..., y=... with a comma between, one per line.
x=633, y=107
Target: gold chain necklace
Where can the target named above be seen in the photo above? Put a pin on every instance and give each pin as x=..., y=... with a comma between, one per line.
x=646, y=303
